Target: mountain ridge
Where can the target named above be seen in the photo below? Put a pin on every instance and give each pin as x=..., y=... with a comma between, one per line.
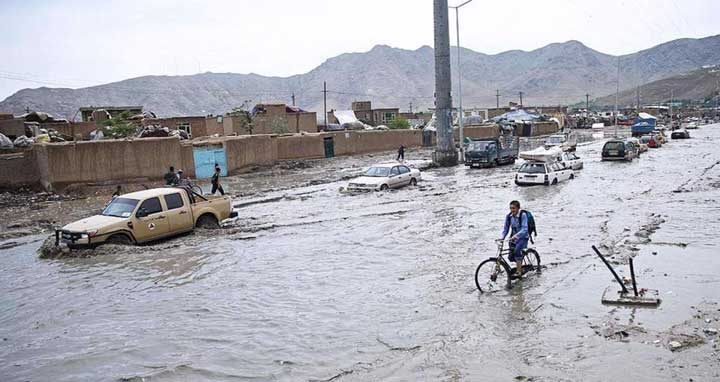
x=557, y=73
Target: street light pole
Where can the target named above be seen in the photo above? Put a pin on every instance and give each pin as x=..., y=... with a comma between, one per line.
x=460, y=104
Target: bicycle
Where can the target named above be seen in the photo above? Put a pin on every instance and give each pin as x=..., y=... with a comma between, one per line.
x=495, y=271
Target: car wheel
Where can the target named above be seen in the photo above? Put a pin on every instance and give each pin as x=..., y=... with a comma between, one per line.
x=413, y=182
x=207, y=221
x=554, y=181
x=384, y=187
x=119, y=239
x=572, y=176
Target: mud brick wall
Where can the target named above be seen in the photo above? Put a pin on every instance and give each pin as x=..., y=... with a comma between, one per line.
x=300, y=146
x=478, y=132
x=249, y=150
x=18, y=169
x=360, y=142
x=187, y=159
x=111, y=160
x=544, y=128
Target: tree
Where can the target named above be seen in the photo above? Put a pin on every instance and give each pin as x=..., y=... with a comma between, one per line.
x=399, y=123
x=120, y=126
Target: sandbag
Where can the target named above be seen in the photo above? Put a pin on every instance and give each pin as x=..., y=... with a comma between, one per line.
x=5, y=143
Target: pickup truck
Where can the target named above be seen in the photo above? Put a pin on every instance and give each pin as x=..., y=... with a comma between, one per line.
x=144, y=216
x=491, y=152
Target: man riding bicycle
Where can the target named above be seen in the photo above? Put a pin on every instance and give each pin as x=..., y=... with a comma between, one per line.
x=517, y=223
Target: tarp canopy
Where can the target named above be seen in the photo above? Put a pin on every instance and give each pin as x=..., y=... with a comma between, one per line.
x=542, y=155
x=645, y=116
x=345, y=116
x=517, y=115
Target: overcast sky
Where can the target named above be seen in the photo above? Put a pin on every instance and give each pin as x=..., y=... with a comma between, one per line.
x=84, y=43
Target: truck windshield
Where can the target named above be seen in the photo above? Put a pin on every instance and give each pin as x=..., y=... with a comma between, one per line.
x=478, y=146
x=532, y=168
x=120, y=208
x=378, y=171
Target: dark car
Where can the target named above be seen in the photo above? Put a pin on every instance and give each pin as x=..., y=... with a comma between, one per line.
x=680, y=134
x=617, y=149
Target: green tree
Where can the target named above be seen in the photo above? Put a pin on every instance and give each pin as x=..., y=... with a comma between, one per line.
x=120, y=126
x=399, y=123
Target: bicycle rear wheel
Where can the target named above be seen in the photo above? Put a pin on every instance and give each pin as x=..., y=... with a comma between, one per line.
x=531, y=261
x=491, y=275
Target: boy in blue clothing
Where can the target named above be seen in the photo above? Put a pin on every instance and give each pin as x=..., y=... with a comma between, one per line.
x=516, y=223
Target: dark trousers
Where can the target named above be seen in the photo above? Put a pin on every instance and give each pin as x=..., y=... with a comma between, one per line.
x=217, y=187
x=401, y=155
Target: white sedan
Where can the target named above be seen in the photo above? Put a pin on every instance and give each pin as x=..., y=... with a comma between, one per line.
x=571, y=160
x=385, y=176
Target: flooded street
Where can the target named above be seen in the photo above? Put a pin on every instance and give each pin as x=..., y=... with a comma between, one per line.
x=312, y=284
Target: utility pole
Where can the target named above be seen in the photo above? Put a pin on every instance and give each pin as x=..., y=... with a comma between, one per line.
x=293, y=98
x=717, y=94
x=497, y=98
x=637, y=101
x=325, y=103
x=521, y=103
x=445, y=154
x=587, y=104
x=410, y=107
x=617, y=92
x=671, y=108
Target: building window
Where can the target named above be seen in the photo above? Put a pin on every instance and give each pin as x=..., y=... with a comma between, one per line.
x=387, y=117
x=186, y=127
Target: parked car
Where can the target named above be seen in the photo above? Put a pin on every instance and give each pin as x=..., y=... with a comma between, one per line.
x=567, y=142
x=144, y=216
x=571, y=160
x=680, y=134
x=650, y=141
x=616, y=149
x=641, y=147
x=536, y=173
x=660, y=136
x=384, y=176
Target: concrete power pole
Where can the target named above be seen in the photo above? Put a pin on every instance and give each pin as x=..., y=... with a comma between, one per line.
x=521, y=104
x=325, y=103
x=445, y=153
x=497, y=98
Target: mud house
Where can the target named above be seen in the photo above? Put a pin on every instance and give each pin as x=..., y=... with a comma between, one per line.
x=281, y=119
x=195, y=126
x=86, y=113
x=364, y=112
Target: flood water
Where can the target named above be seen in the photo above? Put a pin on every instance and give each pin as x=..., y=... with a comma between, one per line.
x=315, y=285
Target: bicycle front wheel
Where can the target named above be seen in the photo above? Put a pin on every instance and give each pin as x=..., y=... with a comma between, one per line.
x=492, y=275
x=531, y=261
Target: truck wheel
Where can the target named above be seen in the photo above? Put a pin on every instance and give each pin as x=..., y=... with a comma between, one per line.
x=572, y=176
x=207, y=221
x=119, y=239
x=413, y=182
x=554, y=181
x=384, y=187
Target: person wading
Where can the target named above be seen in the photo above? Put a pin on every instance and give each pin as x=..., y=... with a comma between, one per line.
x=401, y=153
x=216, y=186
x=517, y=223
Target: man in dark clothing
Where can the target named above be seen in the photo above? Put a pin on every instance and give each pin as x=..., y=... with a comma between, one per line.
x=171, y=178
x=216, y=182
x=401, y=153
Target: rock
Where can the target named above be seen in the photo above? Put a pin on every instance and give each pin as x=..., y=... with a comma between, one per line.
x=674, y=345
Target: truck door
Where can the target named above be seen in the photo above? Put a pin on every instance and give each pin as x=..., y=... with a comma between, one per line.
x=178, y=212
x=152, y=223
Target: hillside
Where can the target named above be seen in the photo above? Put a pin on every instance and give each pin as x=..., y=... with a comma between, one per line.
x=696, y=85
x=557, y=73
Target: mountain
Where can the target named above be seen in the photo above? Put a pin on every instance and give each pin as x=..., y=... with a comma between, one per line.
x=391, y=77
x=696, y=85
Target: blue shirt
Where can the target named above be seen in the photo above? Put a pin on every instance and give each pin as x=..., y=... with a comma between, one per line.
x=518, y=224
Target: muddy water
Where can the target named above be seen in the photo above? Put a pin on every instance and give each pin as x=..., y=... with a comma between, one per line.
x=312, y=284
